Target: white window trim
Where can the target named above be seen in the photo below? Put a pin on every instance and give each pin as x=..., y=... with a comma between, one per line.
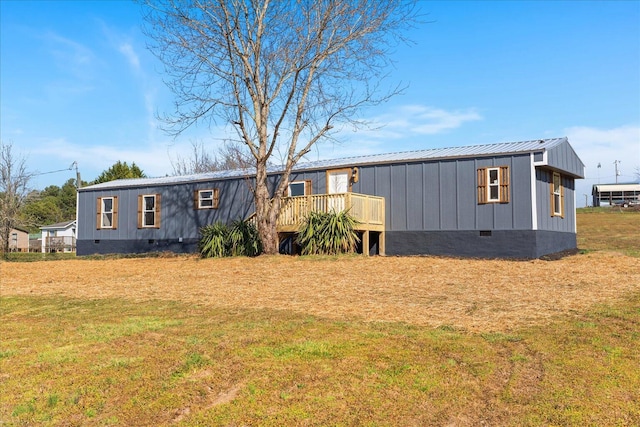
x=557, y=195
x=145, y=210
x=104, y=212
x=201, y=198
x=490, y=184
x=304, y=187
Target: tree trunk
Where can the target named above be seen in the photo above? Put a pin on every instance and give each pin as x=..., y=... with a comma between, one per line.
x=267, y=221
x=6, y=234
x=266, y=212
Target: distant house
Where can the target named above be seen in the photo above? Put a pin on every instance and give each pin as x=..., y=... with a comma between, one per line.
x=59, y=237
x=514, y=200
x=611, y=194
x=18, y=240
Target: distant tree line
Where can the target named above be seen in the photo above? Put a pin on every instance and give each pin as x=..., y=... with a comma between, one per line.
x=57, y=204
x=52, y=205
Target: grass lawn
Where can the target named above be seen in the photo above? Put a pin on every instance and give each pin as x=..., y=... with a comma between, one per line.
x=346, y=341
x=610, y=229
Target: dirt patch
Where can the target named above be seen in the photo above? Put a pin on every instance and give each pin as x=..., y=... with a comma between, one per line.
x=478, y=295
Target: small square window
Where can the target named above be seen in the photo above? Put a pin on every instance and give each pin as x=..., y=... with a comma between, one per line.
x=206, y=199
x=297, y=189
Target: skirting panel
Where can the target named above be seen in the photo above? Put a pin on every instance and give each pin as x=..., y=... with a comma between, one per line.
x=480, y=244
x=477, y=244
x=102, y=247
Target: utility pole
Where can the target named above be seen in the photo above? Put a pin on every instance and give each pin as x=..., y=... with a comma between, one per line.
x=615, y=162
x=78, y=181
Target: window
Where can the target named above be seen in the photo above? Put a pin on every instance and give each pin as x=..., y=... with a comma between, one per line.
x=557, y=196
x=107, y=213
x=493, y=185
x=299, y=188
x=149, y=211
x=206, y=199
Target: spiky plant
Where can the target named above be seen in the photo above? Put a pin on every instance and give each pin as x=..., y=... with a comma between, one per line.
x=243, y=239
x=213, y=242
x=328, y=233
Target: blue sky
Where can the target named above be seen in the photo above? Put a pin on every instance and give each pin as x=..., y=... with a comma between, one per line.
x=77, y=84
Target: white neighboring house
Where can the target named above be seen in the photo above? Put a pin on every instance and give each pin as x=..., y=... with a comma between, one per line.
x=60, y=237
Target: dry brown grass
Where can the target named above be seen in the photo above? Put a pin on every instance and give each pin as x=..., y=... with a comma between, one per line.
x=185, y=341
x=478, y=295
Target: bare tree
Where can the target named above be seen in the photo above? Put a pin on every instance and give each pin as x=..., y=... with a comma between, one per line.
x=283, y=74
x=229, y=157
x=14, y=189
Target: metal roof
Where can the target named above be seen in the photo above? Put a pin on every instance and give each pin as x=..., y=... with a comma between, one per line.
x=483, y=150
x=57, y=225
x=617, y=187
x=437, y=153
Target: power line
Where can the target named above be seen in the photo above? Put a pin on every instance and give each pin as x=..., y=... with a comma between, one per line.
x=46, y=173
x=59, y=170
x=74, y=164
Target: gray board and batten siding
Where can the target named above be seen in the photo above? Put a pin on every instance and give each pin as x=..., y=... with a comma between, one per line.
x=431, y=202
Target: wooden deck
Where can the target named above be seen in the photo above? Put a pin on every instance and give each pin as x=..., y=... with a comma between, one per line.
x=367, y=210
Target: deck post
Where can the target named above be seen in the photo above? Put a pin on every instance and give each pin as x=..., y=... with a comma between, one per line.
x=365, y=242
x=381, y=249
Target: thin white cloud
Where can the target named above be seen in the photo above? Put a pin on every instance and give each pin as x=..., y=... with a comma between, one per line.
x=434, y=120
x=152, y=159
x=401, y=128
x=148, y=83
x=414, y=120
x=596, y=146
x=132, y=57
x=598, y=149
x=70, y=55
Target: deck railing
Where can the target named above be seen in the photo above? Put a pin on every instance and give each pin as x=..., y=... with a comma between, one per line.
x=60, y=244
x=367, y=210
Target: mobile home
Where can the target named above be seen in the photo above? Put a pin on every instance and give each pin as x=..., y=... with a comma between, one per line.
x=512, y=200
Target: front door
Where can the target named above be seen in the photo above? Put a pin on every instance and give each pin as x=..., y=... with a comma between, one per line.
x=337, y=183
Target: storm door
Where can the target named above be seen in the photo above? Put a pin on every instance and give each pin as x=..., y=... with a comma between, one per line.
x=338, y=182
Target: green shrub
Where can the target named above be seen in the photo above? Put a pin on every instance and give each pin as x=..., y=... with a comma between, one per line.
x=243, y=239
x=328, y=233
x=213, y=242
x=239, y=239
